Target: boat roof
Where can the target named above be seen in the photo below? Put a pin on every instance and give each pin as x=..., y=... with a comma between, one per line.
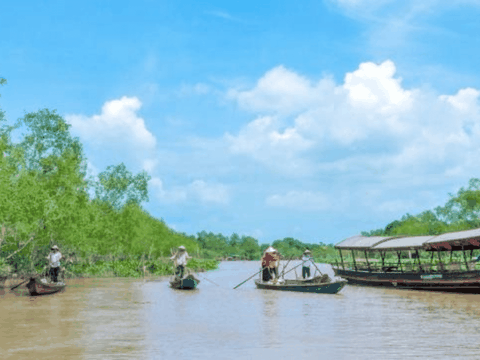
x=359, y=242
x=404, y=243
x=466, y=239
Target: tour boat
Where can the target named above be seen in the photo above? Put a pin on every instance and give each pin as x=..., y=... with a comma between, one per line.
x=443, y=273
x=38, y=286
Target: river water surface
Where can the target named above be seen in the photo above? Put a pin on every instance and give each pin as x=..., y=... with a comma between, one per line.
x=145, y=319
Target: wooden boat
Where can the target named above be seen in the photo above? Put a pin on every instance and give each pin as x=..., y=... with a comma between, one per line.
x=189, y=282
x=303, y=286
x=443, y=274
x=38, y=286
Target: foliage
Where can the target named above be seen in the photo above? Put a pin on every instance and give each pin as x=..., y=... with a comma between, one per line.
x=46, y=200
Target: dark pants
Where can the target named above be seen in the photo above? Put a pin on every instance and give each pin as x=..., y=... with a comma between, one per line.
x=266, y=276
x=54, y=273
x=305, y=272
x=180, y=271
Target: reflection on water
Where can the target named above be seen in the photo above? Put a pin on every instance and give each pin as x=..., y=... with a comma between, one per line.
x=142, y=319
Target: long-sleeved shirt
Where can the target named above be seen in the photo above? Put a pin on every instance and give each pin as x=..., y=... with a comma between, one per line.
x=306, y=261
x=54, y=259
x=181, y=258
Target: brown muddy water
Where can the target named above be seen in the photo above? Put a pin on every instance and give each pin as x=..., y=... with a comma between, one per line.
x=145, y=319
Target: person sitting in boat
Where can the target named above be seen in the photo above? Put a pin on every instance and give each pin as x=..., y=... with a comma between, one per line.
x=54, y=263
x=180, y=261
x=306, y=263
x=269, y=260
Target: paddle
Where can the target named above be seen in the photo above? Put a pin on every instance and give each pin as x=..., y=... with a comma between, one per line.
x=316, y=266
x=23, y=282
x=283, y=270
x=293, y=268
x=204, y=277
x=248, y=279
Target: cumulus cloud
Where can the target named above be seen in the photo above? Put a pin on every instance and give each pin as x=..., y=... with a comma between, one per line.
x=369, y=120
x=118, y=123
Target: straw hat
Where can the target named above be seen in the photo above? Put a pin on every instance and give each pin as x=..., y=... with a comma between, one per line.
x=270, y=250
x=54, y=247
x=307, y=251
x=182, y=248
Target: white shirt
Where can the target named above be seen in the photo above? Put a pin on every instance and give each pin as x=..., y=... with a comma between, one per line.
x=306, y=261
x=55, y=259
x=180, y=258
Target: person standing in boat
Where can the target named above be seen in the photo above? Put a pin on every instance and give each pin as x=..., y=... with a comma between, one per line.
x=54, y=263
x=306, y=263
x=269, y=260
x=180, y=261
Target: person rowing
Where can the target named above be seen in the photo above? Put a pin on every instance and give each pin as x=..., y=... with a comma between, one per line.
x=54, y=263
x=270, y=261
x=306, y=263
x=180, y=259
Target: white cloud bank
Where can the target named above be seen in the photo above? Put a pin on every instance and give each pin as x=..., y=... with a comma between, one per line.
x=117, y=124
x=369, y=122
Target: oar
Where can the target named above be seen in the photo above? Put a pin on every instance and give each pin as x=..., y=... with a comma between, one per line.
x=203, y=277
x=316, y=266
x=248, y=279
x=283, y=270
x=23, y=282
x=293, y=268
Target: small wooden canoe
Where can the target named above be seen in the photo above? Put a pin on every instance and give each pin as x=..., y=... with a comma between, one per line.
x=303, y=286
x=189, y=282
x=38, y=286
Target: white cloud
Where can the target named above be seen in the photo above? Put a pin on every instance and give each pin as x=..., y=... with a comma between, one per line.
x=118, y=123
x=370, y=120
x=300, y=200
x=280, y=90
x=465, y=100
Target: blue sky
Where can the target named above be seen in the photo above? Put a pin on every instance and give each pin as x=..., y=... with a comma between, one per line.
x=315, y=120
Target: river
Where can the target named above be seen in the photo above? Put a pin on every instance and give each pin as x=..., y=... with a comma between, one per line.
x=146, y=319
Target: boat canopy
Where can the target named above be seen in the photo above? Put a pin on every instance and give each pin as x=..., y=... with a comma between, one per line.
x=466, y=240
x=404, y=243
x=359, y=242
x=459, y=240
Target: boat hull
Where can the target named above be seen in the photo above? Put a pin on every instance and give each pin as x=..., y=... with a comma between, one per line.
x=36, y=287
x=325, y=288
x=187, y=283
x=464, y=282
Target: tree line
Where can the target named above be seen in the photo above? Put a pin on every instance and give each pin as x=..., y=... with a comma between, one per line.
x=99, y=222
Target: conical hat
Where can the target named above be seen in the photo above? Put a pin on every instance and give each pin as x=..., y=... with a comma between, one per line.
x=181, y=247
x=270, y=250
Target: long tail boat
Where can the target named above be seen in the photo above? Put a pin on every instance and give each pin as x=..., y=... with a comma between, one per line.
x=38, y=286
x=445, y=265
x=189, y=282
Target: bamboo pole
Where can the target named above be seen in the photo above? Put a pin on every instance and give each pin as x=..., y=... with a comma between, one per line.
x=341, y=258
x=9, y=256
